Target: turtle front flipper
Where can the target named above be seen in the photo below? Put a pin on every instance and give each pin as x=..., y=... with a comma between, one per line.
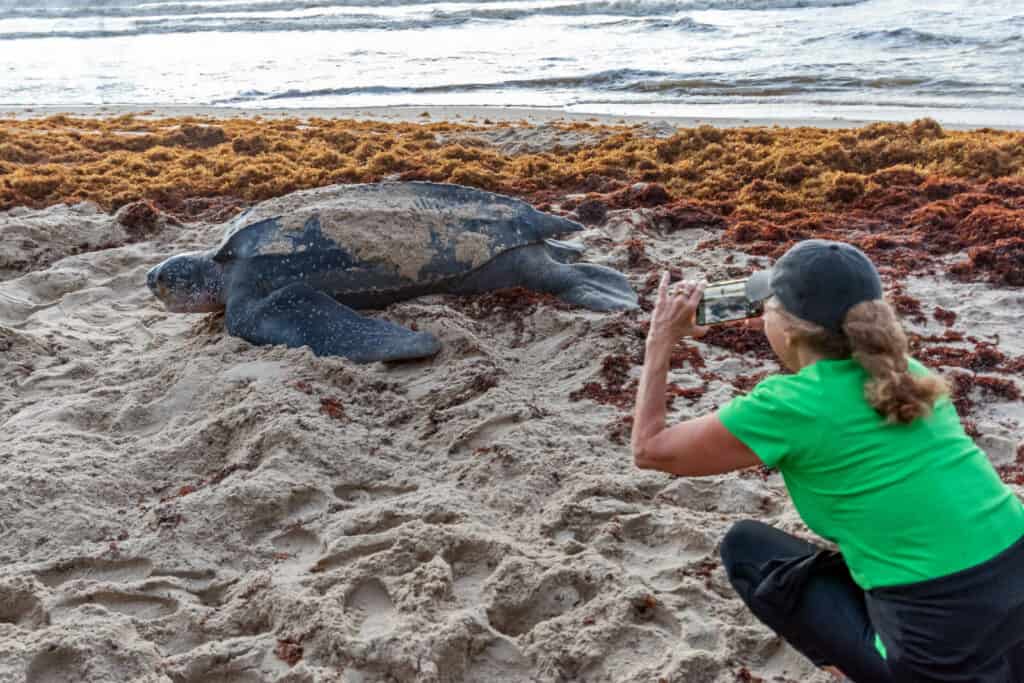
x=298, y=315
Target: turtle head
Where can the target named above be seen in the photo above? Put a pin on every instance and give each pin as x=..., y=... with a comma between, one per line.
x=188, y=283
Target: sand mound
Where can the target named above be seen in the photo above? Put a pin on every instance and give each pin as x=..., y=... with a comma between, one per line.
x=182, y=506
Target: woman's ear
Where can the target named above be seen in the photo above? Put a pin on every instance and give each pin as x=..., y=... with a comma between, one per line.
x=787, y=337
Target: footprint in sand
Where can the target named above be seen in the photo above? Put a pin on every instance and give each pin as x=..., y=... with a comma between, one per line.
x=20, y=603
x=352, y=495
x=304, y=504
x=297, y=547
x=472, y=562
x=351, y=549
x=659, y=549
x=501, y=660
x=557, y=595
x=107, y=571
x=55, y=666
x=733, y=494
x=371, y=600
x=484, y=433
x=142, y=607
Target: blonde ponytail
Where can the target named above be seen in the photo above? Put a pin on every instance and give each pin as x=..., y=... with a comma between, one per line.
x=878, y=343
x=873, y=336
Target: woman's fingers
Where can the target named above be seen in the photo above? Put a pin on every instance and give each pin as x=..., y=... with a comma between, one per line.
x=675, y=310
x=696, y=292
x=663, y=294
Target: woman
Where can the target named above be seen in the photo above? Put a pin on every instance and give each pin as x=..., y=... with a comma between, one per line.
x=928, y=585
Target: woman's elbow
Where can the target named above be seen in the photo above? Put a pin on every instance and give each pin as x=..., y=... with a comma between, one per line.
x=642, y=458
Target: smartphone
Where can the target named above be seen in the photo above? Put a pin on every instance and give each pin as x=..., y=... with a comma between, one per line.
x=725, y=301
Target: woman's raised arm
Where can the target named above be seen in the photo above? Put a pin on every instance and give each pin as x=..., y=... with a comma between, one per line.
x=700, y=446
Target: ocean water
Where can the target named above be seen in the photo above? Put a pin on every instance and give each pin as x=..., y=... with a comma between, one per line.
x=959, y=61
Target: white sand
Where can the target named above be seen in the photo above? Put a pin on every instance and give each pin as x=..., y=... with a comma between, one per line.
x=177, y=502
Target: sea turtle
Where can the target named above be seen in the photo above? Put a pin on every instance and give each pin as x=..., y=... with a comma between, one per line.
x=291, y=270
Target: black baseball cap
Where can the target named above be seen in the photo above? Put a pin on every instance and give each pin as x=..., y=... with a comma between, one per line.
x=819, y=281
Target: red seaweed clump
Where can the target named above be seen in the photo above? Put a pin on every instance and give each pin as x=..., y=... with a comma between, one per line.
x=686, y=354
x=686, y=215
x=746, y=383
x=692, y=394
x=985, y=357
x=209, y=209
x=288, y=651
x=965, y=387
x=944, y=316
x=617, y=390
x=508, y=304
x=636, y=254
x=941, y=187
x=740, y=339
x=592, y=211
x=917, y=340
x=1001, y=263
x=1013, y=473
x=644, y=195
x=987, y=223
x=141, y=219
x=907, y=306
x=1009, y=187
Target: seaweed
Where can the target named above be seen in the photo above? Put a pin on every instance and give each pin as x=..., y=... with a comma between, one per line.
x=142, y=219
x=691, y=394
x=907, y=306
x=686, y=215
x=745, y=383
x=332, y=407
x=740, y=339
x=618, y=389
x=638, y=195
x=636, y=254
x=508, y=305
x=965, y=386
x=744, y=676
x=944, y=316
x=1013, y=473
x=288, y=651
x=983, y=358
x=1001, y=263
x=592, y=211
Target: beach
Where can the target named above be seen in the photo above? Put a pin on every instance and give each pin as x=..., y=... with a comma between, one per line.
x=182, y=506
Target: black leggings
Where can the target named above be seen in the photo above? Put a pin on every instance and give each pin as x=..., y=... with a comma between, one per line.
x=806, y=595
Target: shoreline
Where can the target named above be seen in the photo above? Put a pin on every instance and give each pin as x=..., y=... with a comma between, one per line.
x=458, y=113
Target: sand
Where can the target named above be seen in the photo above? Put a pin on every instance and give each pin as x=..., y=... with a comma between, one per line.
x=460, y=114
x=181, y=506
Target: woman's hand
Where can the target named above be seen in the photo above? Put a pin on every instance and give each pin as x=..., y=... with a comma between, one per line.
x=755, y=323
x=675, y=313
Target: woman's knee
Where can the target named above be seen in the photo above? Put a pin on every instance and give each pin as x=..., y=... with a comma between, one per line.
x=741, y=543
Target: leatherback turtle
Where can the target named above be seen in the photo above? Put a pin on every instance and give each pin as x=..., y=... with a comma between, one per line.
x=291, y=270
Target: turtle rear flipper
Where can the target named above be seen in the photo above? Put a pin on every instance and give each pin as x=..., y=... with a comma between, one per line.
x=298, y=315
x=596, y=287
x=536, y=267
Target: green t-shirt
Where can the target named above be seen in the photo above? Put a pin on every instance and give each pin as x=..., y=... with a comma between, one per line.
x=904, y=503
